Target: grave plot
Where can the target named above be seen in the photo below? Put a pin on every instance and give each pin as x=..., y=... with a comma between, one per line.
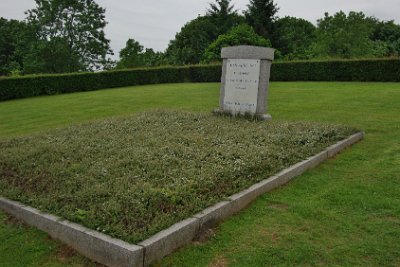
x=132, y=177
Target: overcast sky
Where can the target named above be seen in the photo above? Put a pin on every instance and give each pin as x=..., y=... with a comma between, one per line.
x=154, y=22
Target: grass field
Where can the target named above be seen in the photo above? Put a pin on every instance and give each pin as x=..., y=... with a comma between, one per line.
x=345, y=212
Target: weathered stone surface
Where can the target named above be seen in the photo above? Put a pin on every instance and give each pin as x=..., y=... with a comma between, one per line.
x=241, y=200
x=289, y=173
x=168, y=240
x=245, y=80
x=213, y=215
x=248, y=52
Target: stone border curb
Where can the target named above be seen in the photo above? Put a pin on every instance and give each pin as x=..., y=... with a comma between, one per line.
x=114, y=252
x=212, y=215
x=168, y=240
x=92, y=244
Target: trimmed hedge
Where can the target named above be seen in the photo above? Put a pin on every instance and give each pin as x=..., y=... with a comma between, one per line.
x=387, y=70
x=66, y=83
x=374, y=70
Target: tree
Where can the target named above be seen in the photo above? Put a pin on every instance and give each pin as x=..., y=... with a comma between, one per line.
x=133, y=56
x=15, y=40
x=261, y=15
x=193, y=39
x=53, y=56
x=75, y=27
x=240, y=35
x=293, y=37
x=221, y=7
x=130, y=55
x=388, y=34
x=151, y=58
x=224, y=16
x=346, y=36
x=189, y=44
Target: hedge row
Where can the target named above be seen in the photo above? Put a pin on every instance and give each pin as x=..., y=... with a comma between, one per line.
x=374, y=70
x=36, y=85
x=351, y=70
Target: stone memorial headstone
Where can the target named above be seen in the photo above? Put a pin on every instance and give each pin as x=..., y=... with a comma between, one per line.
x=245, y=80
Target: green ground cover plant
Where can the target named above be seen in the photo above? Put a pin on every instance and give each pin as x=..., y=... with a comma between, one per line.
x=343, y=213
x=134, y=176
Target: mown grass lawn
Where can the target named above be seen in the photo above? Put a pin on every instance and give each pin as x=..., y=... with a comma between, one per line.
x=345, y=212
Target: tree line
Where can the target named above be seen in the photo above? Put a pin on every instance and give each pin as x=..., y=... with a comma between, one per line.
x=60, y=36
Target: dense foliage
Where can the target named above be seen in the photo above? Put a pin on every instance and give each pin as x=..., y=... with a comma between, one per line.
x=293, y=38
x=373, y=70
x=63, y=36
x=176, y=164
x=261, y=15
x=388, y=35
x=58, y=36
x=191, y=42
x=15, y=43
x=71, y=34
x=133, y=56
x=339, y=70
x=337, y=36
x=346, y=36
x=240, y=35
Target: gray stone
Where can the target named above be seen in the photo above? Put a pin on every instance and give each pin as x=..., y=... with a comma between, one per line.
x=266, y=117
x=289, y=173
x=244, y=87
x=242, y=199
x=314, y=161
x=94, y=245
x=248, y=52
x=266, y=185
x=168, y=240
x=213, y=215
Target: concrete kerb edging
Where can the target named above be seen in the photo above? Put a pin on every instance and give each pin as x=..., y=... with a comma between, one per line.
x=168, y=240
x=92, y=244
x=114, y=252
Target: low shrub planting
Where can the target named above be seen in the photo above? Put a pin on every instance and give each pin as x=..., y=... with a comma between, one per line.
x=132, y=176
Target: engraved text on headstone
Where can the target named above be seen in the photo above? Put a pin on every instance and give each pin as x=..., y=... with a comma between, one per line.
x=241, y=85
